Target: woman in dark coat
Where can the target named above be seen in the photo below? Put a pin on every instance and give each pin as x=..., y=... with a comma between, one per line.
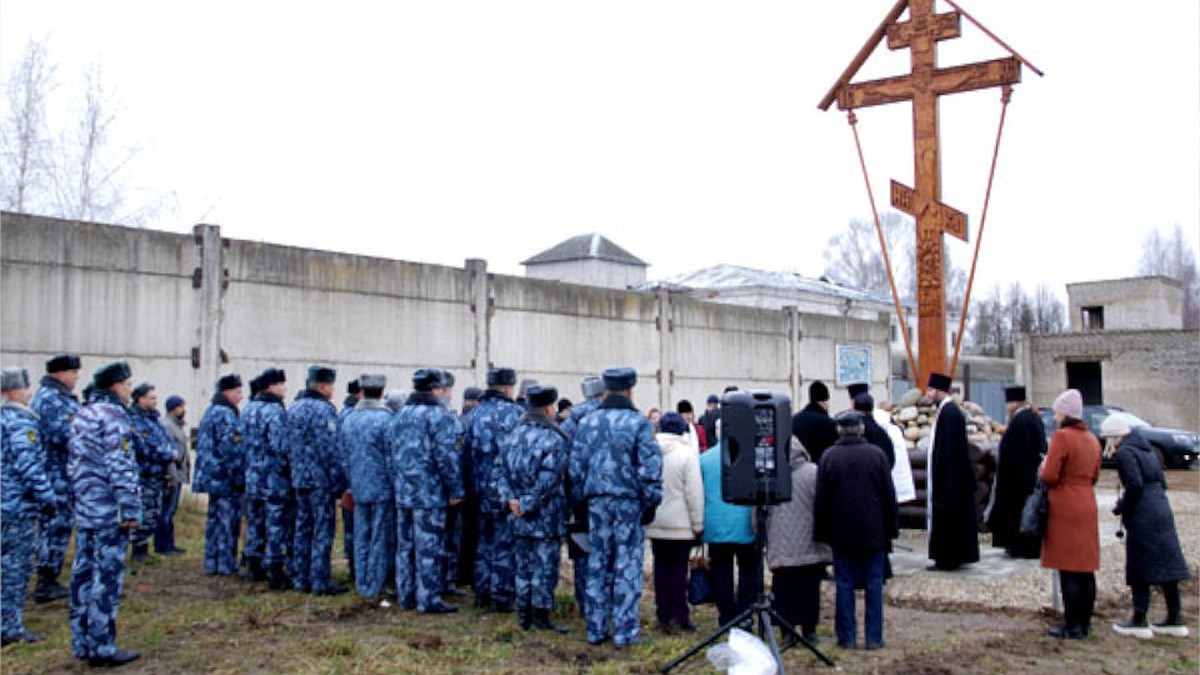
x=1152, y=553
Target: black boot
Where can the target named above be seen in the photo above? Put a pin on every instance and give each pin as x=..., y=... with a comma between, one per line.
x=48, y=589
x=502, y=606
x=255, y=570
x=140, y=552
x=482, y=600
x=541, y=621
x=276, y=579
x=524, y=617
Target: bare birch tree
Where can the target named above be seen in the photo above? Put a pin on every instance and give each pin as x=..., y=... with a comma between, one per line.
x=1172, y=256
x=24, y=135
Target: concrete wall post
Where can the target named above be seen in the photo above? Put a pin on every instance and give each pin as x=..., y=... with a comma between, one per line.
x=481, y=307
x=209, y=279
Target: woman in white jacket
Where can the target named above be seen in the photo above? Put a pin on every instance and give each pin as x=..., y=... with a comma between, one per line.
x=678, y=521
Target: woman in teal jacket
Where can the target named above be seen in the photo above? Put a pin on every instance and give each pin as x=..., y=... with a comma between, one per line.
x=730, y=537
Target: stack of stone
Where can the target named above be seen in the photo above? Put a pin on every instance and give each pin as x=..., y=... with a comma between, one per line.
x=914, y=414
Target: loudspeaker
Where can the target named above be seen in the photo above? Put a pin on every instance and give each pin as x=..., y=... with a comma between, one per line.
x=756, y=430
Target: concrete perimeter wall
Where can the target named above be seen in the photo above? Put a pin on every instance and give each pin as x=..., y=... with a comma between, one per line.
x=183, y=309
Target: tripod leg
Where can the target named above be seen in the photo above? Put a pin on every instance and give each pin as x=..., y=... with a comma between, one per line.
x=749, y=612
x=801, y=639
x=764, y=622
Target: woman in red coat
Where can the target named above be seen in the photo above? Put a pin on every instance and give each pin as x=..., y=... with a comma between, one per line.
x=1072, y=541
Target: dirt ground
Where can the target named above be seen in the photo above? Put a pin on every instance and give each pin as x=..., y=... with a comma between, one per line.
x=185, y=622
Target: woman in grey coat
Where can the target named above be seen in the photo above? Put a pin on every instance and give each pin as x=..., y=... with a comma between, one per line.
x=797, y=562
x=1152, y=553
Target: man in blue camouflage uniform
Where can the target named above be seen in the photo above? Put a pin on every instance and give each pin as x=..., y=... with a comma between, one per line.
x=56, y=405
x=354, y=394
x=154, y=450
x=592, y=388
x=462, y=521
x=529, y=478
x=319, y=479
x=221, y=472
x=427, y=471
x=616, y=467
x=108, y=506
x=24, y=493
x=268, y=487
x=490, y=422
x=365, y=437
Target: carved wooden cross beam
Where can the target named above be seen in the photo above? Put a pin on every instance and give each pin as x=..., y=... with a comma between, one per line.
x=923, y=85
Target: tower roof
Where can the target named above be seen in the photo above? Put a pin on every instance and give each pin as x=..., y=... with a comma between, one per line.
x=585, y=247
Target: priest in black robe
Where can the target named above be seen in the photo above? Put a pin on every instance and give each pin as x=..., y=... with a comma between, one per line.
x=1021, y=450
x=952, y=515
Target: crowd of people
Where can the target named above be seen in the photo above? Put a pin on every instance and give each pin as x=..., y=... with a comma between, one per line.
x=434, y=500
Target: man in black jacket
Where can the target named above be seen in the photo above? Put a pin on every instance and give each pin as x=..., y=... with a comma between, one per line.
x=812, y=426
x=855, y=513
x=864, y=404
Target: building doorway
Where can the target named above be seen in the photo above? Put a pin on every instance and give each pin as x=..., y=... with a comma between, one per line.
x=1085, y=376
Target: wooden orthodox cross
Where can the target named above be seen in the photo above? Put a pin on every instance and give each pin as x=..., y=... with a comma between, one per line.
x=920, y=35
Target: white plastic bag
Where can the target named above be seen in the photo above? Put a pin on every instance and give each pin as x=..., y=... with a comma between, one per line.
x=744, y=654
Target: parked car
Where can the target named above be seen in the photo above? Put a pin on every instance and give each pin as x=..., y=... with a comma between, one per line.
x=1176, y=449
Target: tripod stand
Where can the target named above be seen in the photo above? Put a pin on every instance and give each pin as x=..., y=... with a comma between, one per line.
x=760, y=609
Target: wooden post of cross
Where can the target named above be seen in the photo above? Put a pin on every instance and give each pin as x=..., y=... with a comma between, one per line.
x=923, y=85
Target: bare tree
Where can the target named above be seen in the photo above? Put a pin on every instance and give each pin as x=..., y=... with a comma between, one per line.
x=86, y=187
x=74, y=173
x=1172, y=256
x=999, y=317
x=853, y=258
x=27, y=167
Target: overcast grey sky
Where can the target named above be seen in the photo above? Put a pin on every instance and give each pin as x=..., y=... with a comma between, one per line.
x=685, y=131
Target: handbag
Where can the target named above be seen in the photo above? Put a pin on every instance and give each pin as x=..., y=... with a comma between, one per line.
x=699, y=579
x=1033, y=514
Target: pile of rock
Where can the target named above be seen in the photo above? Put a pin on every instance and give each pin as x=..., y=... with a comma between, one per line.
x=914, y=413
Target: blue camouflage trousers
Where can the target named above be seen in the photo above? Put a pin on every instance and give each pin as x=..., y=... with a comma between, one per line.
x=452, y=545
x=494, y=573
x=152, y=495
x=96, y=579
x=419, y=534
x=54, y=532
x=373, y=548
x=536, y=561
x=614, y=576
x=221, y=534
x=256, y=529
x=316, y=526
x=281, y=532
x=16, y=563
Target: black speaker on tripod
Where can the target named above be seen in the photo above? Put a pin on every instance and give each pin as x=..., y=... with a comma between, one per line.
x=756, y=433
x=756, y=429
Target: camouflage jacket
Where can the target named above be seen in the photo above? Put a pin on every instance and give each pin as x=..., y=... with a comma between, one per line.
x=23, y=483
x=57, y=407
x=153, y=448
x=578, y=412
x=365, y=438
x=490, y=422
x=613, y=454
x=103, y=470
x=220, y=459
x=313, y=444
x=531, y=468
x=427, y=469
x=265, y=437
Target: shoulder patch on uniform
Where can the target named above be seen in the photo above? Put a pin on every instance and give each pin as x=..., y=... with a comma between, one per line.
x=31, y=435
x=125, y=444
x=237, y=438
x=70, y=418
